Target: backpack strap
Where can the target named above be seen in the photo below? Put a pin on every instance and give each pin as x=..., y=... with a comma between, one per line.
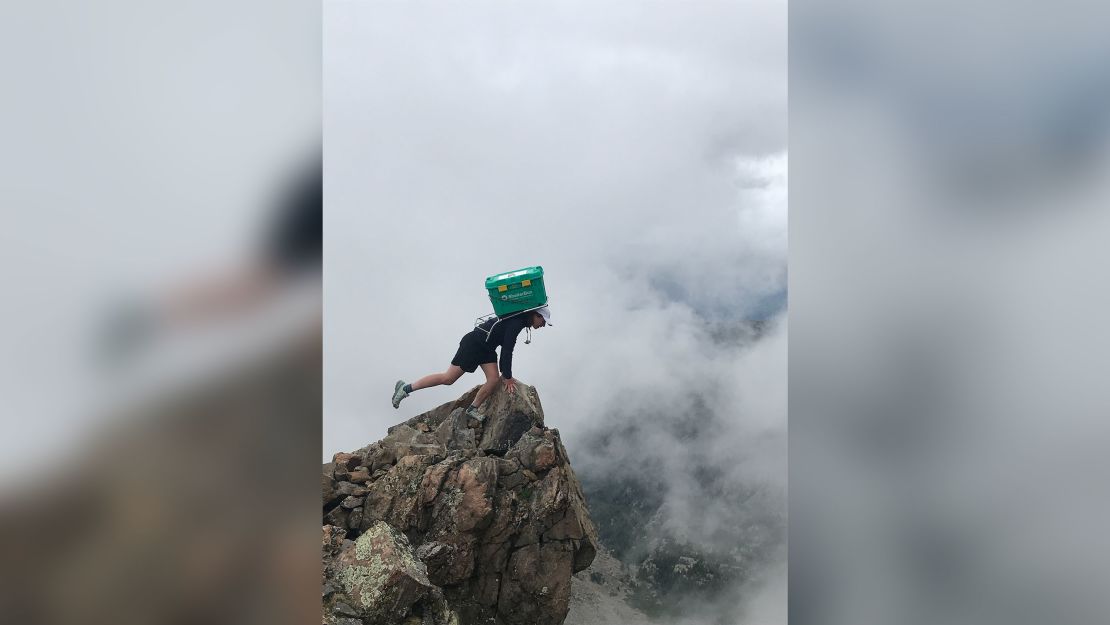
x=484, y=318
x=480, y=321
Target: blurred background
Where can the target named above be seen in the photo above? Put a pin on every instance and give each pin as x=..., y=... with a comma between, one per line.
x=160, y=268
x=948, y=296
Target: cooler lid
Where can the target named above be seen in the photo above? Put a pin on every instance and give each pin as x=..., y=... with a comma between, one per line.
x=527, y=273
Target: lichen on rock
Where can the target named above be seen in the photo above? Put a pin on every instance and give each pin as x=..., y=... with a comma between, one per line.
x=457, y=525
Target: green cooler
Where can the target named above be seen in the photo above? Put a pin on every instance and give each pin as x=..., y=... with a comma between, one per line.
x=517, y=290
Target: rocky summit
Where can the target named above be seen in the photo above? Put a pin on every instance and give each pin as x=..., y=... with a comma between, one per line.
x=451, y=521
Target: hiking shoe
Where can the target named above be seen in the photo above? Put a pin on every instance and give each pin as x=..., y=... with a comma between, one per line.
x=472, y=413
x=399, y=393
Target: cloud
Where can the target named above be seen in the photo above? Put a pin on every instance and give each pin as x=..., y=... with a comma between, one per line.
x=946, y=408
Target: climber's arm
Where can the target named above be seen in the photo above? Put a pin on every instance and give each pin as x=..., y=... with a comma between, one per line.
x=507, y=346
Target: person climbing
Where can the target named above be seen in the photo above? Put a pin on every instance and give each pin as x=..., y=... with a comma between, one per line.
x=478, y=349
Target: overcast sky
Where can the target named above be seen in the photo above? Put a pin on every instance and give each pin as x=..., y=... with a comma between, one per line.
x=637, y=154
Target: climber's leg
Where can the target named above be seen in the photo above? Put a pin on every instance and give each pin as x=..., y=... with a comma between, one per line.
x=448, y=377
x=492, y=379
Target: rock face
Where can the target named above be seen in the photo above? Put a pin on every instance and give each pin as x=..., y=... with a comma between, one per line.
x=445, y=522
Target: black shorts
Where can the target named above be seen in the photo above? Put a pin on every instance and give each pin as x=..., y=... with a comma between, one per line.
x=473, y=351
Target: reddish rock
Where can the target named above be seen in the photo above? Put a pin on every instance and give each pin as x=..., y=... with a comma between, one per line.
x=497, y=542
x=476, y=479
x=355, y=519
x=396, y=497
x=432, y=481
x=543, y=457
x=333, y=539
x=449, y=563
x=535, y=589
x=507, y=466
x=349, y=489
x=347, y=461
x=337, y=516
x=328, y=486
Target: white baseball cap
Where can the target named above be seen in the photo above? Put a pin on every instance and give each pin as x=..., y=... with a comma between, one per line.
x=545, y=312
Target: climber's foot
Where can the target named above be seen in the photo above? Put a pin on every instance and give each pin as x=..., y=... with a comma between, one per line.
x=473, y=417
x=399, y=393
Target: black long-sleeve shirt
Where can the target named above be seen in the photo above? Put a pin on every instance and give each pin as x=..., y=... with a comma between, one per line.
x=503, y=332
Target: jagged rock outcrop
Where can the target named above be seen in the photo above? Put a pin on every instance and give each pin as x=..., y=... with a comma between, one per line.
x=450, y=522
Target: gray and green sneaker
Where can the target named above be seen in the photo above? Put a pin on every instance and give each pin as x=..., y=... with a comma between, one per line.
x=399, y=393
x=472, y=413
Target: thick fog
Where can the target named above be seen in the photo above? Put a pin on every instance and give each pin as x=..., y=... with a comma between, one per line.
x=948, y=297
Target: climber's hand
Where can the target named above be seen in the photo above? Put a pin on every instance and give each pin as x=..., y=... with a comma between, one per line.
x=510, y=385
